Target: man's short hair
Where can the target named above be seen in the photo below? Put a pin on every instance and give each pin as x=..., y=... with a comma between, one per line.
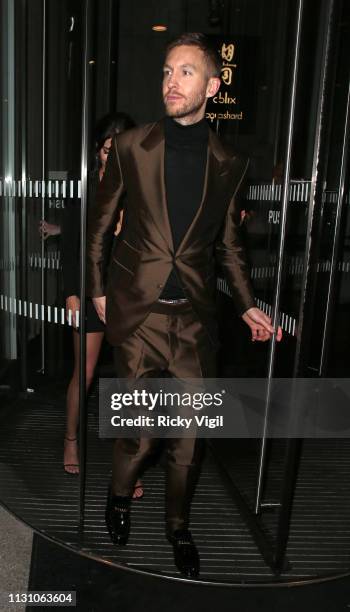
x=197, y=39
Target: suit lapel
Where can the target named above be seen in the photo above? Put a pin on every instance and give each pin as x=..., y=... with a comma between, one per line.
x=153, y=150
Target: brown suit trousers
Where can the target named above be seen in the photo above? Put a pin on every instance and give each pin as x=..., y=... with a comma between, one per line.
x=171, y=340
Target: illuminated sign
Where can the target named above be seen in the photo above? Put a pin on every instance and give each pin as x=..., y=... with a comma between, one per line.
x=236, y=99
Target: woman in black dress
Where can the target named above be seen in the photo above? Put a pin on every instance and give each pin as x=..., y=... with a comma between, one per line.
x=106, y=129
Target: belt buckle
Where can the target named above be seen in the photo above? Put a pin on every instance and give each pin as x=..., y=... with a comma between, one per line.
x=173, y=302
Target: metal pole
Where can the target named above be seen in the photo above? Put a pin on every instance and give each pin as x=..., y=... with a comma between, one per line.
x=285, y=199
x=24, y=242
x=8, y=239
x=43, y=170
x=314, y=220
x=289, y=479
x=336, y=240
x=294, y=446
x=281, y=33
x=83, y=216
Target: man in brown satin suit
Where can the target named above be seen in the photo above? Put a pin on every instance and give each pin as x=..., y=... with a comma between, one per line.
x=179, y=219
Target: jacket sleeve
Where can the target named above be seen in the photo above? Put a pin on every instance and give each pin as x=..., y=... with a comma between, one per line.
x=102, y=220
x=231, y=257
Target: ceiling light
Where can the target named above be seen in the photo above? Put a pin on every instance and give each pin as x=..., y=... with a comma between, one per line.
x=159, y=28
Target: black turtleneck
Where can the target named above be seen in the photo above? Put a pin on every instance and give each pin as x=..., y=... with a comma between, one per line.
x=184, y=172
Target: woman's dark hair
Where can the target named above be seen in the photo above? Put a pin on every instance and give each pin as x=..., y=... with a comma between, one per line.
x=107, y=127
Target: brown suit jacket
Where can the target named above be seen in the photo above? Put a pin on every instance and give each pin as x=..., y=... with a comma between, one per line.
x=144, y=255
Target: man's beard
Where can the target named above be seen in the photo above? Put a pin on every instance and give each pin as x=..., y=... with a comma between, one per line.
x=188, y=108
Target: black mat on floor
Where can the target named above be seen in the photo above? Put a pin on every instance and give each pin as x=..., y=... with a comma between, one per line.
x=101, y=588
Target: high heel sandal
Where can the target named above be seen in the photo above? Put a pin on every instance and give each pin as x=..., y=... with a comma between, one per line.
x=67, y=465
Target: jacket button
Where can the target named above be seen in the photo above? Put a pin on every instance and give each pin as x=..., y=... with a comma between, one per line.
x=160, y=286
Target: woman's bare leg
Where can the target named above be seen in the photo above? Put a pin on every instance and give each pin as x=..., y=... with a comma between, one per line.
x=71, y=455
x=93, y=347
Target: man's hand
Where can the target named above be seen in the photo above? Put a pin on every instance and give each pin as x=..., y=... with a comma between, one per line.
x=260, y=325
x=100, y=307
x=73, y=304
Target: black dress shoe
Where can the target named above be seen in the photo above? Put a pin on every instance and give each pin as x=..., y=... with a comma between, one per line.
x=186, y=555
x=118, y=518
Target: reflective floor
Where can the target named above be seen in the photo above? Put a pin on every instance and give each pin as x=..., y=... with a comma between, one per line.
x=36, y=488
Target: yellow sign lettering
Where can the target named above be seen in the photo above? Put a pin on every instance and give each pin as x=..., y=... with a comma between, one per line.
x=227, y=52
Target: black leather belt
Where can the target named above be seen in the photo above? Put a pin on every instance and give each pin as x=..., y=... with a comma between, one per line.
x=172, y=307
